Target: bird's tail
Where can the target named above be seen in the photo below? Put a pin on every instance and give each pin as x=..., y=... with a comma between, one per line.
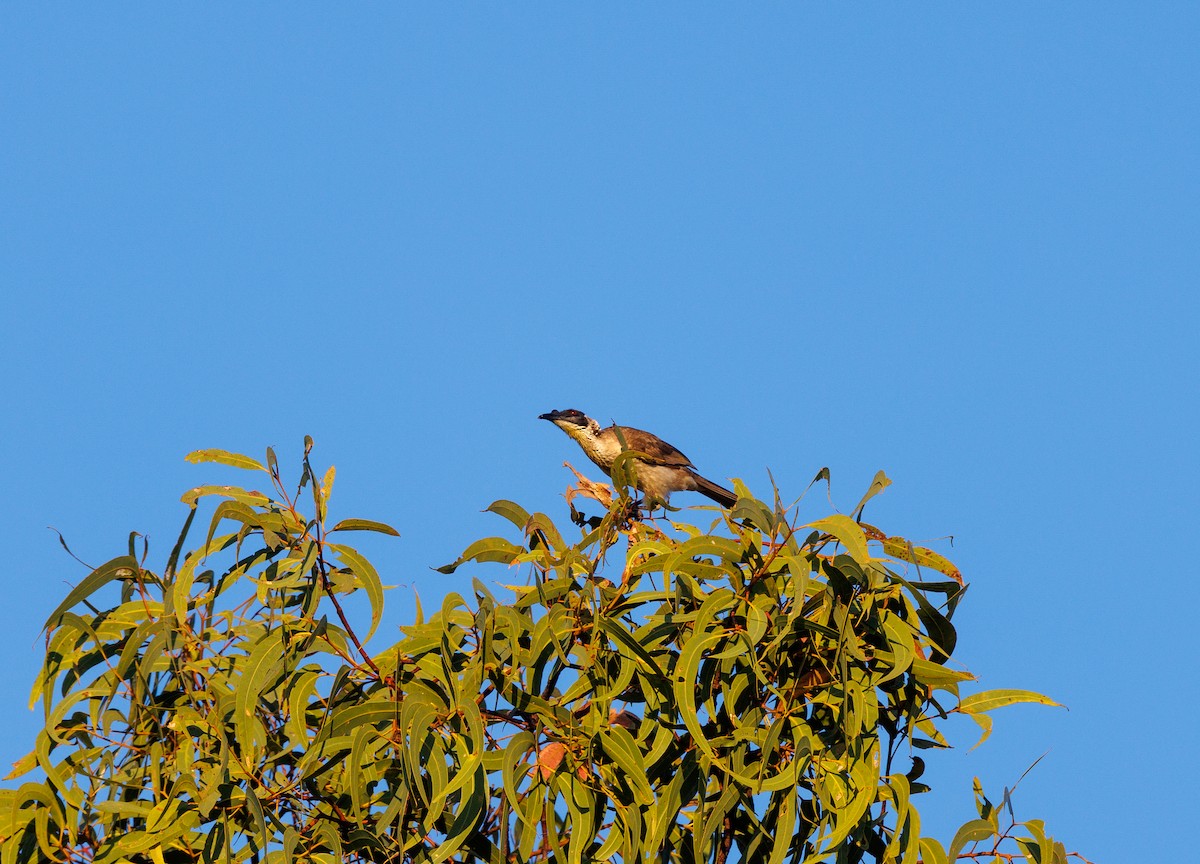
x=717, y=493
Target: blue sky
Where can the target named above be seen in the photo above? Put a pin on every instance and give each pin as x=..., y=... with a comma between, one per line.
x=958, y=243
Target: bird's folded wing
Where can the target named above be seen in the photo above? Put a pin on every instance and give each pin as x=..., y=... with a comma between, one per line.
x=659, y=451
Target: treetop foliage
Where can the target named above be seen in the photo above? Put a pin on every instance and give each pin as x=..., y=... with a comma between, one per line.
x=646, y=690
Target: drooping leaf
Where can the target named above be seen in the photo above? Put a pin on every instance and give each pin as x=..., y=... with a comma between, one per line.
x=368, y=578
x=122, y=567
x=985, y=724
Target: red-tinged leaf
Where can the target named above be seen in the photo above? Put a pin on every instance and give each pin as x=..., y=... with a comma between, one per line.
x=22, y=766
x=902, y=550
x=224, y=457
x=550, y=758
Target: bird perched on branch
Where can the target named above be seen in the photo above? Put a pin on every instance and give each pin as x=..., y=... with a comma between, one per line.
x=661, y=469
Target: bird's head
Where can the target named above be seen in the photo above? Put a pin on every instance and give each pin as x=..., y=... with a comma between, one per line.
x=574, y=422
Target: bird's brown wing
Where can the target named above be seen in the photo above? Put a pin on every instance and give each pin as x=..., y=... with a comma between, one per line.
x=659, y=451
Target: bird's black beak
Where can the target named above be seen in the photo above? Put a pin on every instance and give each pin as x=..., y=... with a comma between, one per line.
x=551, y=416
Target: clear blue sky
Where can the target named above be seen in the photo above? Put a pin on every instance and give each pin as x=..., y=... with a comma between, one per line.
x=956, y=242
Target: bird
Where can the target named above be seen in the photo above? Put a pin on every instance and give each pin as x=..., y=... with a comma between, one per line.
x=661, y=468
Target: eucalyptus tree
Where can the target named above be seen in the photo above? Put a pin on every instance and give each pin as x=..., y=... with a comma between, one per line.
x=760, y=689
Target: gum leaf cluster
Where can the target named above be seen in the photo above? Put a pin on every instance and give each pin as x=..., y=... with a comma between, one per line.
x=647, y=691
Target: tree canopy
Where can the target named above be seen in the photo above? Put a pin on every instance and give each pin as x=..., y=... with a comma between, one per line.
x=761, y=689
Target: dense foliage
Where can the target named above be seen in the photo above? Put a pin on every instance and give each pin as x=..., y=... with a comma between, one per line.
x=757, y=691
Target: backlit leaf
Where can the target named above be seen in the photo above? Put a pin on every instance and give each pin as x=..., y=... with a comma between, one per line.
x=971, y=832
x=224, y=457
x=991, y=699
x=848, y=532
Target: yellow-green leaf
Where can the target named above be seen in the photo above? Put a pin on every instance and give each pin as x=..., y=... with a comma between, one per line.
x=970, y=832
x=902, y=550
x=849, y=532
x=937, y=676
x=224, y=457
x=990, y=699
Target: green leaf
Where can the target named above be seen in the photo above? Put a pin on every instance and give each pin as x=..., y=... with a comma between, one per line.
x=353, y=716
x=880, y=483
x=369, y=579
x=751, y=511
x=263, y=666
x=472, y=808
x=902, y=550
x=718, y=547
x=932, y=852
x=581, y=806
x=937, y=626
x=118, y=568
x=540, y=530
x=990, y=699
x=687, y=672
x=846, y=530
x=784, y=832
x=900, y=640
x=250, y=498
x=495, y=549
x=971, y=832
x=514, y=513
x=624, y=638
x=985, y=723
x=515, y=754
x=224, y=457
x=256, y=811
x=365, y=525
x=619, y=746
x=363, y=737
x=22, y=766
x=935, y=675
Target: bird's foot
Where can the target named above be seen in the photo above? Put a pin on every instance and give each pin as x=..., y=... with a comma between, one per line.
x=633, y=513
x=578, y=517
